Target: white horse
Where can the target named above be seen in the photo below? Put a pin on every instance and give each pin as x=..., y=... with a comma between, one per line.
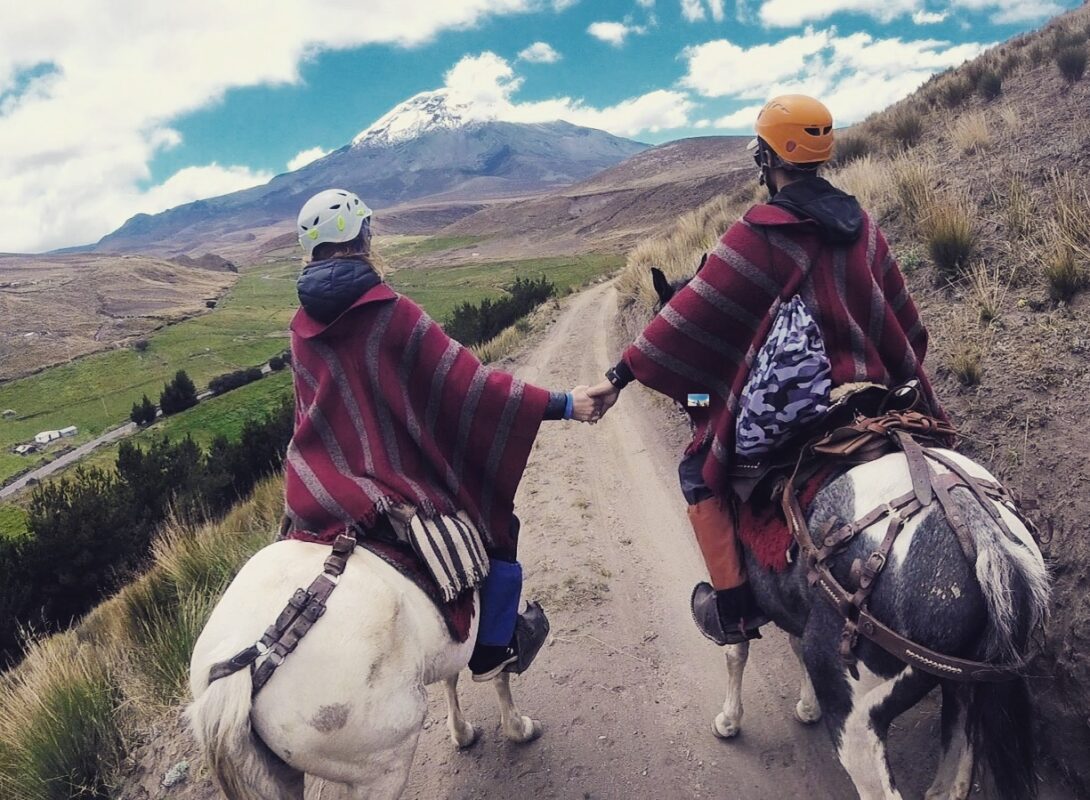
x=349, y=704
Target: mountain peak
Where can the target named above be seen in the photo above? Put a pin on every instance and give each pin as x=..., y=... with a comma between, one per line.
x=421, y=113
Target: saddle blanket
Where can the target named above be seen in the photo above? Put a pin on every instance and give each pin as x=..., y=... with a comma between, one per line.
x=763, y=528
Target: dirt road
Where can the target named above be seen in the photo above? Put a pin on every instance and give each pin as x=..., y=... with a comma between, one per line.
x=627, y=688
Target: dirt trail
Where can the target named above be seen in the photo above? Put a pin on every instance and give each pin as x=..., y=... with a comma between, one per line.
x=627, y=688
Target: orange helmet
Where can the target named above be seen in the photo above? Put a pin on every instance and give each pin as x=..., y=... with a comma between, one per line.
x=798, y=129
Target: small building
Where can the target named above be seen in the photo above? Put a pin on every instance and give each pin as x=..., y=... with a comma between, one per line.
x=26, y=449
x=71, y=430
x=45, y=437
x=9, y=413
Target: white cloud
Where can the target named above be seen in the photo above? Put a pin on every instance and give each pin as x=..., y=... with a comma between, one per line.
x=854, y=75
x=742, y=119
x=614, y=33
x=194, y=183
x=791, y=13
x=540, y=53
x=484, y=87
x=645, y=3
x=692, y=10
x=700, y=124
x=922, y=17
x=304, y=157
x=89, y=127
x=1006, y=12
x=563, y=5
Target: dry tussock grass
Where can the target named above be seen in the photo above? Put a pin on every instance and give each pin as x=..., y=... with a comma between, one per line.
x=1072, y=213
x=1012, y=118
x=503, y=344
x=868, y=179
x=678, y=253
x=988, y=291
x=67, y=709
x=914, y=181
x=1019, y=210
x=948, y=229
x=972, y=133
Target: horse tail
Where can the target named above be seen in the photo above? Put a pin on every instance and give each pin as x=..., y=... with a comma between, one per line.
x=1015, y=584
x=241, y=763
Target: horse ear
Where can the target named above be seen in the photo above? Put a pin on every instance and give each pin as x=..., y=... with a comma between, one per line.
x=662, y=286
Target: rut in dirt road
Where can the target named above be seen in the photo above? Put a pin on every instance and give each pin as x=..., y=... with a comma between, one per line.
x=627, y=688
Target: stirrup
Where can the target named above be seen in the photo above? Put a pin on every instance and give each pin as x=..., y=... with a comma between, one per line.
x=705, y=610
x=531, y=631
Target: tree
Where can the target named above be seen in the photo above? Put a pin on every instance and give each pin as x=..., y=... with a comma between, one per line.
x=178, y=395
x=143, y=413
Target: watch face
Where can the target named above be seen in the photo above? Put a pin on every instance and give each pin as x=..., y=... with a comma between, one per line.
x=699, y=401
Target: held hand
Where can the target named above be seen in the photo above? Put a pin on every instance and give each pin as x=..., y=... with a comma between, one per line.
x=584, y=407
x=605, y=395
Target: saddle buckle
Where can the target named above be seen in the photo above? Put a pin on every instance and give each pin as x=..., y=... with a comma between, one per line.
x=895, y=514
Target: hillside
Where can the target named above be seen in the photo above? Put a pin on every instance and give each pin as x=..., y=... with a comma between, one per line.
x=638, y=198
x=424, y=149
x=978, y=181
x=55, y=308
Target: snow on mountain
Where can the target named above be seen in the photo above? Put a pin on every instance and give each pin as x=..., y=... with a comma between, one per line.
x=420, y=114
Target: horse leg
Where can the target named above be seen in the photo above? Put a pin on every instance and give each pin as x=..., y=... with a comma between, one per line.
x=462, y=733
x=954, y=777
x=728, y=723
x=808, y=709
x=515, y=726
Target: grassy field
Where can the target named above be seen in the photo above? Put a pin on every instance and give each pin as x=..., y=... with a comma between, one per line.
x=97, y=392
x=398, y=247
x=12, y=521
x=440, y=289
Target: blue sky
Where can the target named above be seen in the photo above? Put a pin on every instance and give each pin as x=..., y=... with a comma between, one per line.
x=132, y=106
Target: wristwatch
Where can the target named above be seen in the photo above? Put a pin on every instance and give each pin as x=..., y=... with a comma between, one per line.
x=614, y=378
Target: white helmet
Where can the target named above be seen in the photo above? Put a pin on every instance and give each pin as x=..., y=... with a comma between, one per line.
x=334, y=215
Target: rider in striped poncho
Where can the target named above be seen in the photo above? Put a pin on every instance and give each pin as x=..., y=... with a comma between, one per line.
x=391, y=413
x=812, y=269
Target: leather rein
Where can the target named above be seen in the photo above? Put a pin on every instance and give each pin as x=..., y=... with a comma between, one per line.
x=863, y=441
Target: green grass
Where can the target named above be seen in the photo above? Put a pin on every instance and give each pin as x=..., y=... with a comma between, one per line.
x=95, y=393
x=12, y=521
x=439, y=290
x=396, y=248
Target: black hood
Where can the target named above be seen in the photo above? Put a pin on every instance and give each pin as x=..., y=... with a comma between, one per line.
x=328, y=288
x=837, y=213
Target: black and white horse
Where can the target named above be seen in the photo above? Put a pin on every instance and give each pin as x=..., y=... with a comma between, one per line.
x=931, y=594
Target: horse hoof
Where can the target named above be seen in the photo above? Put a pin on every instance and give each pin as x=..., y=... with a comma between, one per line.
x=528, y=730
x=807, y=715
x=467, y=739
x=724, y=728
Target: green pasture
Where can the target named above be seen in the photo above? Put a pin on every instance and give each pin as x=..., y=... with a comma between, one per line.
x=395, y=248
x=440, y=289
x=12, y=521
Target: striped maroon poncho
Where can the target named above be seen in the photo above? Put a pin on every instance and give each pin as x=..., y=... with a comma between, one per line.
x=389, y=409
x=705, y=339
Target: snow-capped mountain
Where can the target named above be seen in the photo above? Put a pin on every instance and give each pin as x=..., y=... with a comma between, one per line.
x=431, y=147
x=420, y=114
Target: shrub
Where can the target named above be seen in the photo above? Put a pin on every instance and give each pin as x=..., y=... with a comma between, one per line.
x=233, y=380
x=906, y=126
x=141, y=345
x=971, y=133
x=852, y=147
x=989, y=85
x=1037, y=54
x=1010, y=64
x=1063, y=275
x=1072, y=62
x=209, y=303
x=475, y=323
x=178, y=395
x=967, y=365
x=948, y=231
x=955, y=91
x=277, y=363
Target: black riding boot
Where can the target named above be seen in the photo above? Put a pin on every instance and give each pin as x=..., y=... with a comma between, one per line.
x=531, y=631
x=727, y=616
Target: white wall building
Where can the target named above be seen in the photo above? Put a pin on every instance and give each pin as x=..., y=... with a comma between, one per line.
x=71, y=430
x=45, y=437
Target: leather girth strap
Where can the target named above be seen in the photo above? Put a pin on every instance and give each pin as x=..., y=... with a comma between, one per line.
x=304, y=608
x=866, y=440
